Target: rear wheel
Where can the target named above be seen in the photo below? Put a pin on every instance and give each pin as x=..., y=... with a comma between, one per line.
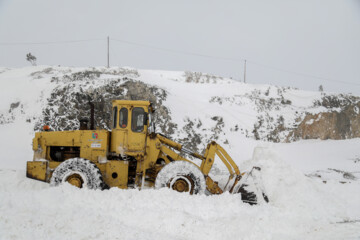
x=78, y=172
x=181, y=176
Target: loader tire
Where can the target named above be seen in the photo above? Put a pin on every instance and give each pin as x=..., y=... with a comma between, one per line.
x=79, y=172
x=181, y=176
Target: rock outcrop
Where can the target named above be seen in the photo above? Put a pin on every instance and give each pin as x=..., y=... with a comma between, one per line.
x=341, y=124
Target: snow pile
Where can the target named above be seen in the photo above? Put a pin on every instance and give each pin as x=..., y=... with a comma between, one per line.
x=290, y=189
x=300, y=207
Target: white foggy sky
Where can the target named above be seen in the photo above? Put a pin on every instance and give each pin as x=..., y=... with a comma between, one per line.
x=312, y=37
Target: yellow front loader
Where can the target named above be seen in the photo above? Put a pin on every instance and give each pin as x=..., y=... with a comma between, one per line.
x=132, y=155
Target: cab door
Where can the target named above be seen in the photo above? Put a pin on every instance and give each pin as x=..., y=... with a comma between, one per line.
x=120, y=129
x=138, y=129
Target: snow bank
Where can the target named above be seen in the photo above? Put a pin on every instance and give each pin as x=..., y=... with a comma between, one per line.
x=299, y=208
x=313, y=200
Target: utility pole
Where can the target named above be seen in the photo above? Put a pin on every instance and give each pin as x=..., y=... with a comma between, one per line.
x=245, y=71
x=108, y=55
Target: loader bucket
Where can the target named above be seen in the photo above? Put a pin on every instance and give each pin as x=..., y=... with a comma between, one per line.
x=251, y=187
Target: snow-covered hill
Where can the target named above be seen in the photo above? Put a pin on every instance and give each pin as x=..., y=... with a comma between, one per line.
x=313, y=185
x=191, y=107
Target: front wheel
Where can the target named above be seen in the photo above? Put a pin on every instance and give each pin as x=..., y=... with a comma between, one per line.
x=78, y=172
x=181, y=176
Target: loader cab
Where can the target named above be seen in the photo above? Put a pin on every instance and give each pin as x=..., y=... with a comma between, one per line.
x=129, y=127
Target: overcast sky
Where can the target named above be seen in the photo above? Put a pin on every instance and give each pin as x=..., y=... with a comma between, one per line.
x=286, y=42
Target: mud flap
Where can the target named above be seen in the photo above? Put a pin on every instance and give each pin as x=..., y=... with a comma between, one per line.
x=251, y=187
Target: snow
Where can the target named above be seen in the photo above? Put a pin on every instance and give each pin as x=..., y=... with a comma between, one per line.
x=15, y=136
x=313, y=185
x=309, y=122
x=300, y=207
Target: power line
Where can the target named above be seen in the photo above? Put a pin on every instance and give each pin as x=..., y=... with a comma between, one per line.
x=302, y=74
x=181, y=52
x=53, y=42
x=235, y=60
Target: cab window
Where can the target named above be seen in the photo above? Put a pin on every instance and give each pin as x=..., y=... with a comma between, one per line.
x=114, y=117
x=123, y=117
x=137, y=119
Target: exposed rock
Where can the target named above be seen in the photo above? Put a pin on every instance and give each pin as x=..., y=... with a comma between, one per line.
x=198, y=77
x=192, y=139
x=14, y=109
x=336, y=101
x=14, y=105
x=39, y=74
x=329, y=125
x=270, y=104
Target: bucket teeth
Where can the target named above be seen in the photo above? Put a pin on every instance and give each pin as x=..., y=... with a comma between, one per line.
x=247, y=196
x=251, y=188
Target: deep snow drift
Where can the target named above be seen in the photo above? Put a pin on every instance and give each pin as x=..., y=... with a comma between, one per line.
x=300, y=208
x=313, y=185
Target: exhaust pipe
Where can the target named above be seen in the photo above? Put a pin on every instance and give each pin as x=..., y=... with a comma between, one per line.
x=92, y=116
x=83, y=124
